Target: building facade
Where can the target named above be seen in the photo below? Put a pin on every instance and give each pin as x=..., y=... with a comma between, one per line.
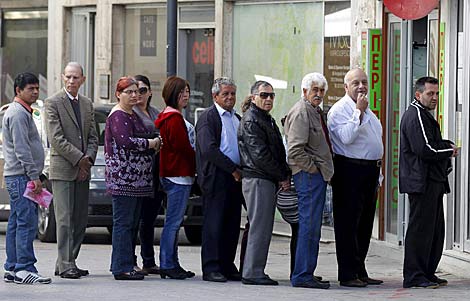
x=279, y=40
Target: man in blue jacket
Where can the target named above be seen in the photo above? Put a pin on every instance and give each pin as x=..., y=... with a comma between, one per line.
x=424, y=166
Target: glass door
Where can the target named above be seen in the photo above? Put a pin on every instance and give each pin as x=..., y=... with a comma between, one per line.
x=196, y=64
x=397, y=101
x=83, y=45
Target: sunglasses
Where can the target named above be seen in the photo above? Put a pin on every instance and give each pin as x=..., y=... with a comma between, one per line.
x=143, y=90
x=265, y=95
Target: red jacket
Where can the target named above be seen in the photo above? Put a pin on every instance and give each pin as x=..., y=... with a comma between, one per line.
x=177, y=157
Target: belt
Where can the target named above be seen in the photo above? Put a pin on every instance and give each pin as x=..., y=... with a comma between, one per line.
x=376, y=163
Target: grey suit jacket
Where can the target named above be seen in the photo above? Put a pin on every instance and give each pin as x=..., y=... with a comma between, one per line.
x=64, y=135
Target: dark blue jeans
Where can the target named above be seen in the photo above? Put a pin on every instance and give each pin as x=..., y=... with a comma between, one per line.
x=311, y=189
x=22, y=227
x=126, y=214
x=177, y=199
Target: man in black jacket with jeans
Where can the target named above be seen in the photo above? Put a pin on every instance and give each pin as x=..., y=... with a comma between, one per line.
x=424, y=166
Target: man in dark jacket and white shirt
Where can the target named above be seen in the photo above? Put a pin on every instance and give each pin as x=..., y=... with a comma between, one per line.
x=424, y=166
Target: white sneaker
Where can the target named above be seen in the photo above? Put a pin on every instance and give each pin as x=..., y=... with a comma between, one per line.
x=26, y=277
x=9, y=276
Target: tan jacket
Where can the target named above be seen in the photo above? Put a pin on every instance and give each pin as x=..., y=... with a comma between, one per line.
x=307, y=149
x=65, y=137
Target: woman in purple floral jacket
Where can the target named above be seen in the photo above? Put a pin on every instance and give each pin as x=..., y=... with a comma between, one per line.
x=128, y=175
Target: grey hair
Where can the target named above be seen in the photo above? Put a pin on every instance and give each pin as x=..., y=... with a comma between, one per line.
x=74, y=64
x=218, y=82
x=313, y=78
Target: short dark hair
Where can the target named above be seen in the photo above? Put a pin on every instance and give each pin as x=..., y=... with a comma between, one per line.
x=172, y=88
x=24, y=79
x=421, y=83
x=253, y=90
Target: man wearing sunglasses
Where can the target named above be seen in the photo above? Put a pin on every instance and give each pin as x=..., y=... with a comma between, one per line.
x=356, y=139
x=265, y=171
x=310, y=159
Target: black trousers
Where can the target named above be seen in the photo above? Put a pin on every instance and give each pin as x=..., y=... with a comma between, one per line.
x=221, y=225
x=354, y=200
x=149, y=212
x=424, y=239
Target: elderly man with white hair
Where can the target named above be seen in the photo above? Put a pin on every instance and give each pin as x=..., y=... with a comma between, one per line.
x=309, y=157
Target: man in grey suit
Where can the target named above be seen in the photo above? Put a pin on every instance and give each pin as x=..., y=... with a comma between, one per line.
x=74, y=143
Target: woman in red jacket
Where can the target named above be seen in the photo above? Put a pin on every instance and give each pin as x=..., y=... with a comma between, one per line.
x=177, y=171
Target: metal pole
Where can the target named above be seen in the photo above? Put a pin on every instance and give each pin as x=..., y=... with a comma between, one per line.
x=172, y=32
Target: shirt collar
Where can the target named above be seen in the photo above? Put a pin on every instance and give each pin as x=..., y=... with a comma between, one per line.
x=24, y=104
x=222, y=110
x=70, y=95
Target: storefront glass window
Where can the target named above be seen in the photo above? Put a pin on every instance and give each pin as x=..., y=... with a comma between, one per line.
x=279, y=43
x=24, y=50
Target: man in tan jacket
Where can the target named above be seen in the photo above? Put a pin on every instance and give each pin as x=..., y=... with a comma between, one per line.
x=74, y=143
x=309, y=157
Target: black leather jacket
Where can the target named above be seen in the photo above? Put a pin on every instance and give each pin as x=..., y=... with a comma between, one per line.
x=262, y=153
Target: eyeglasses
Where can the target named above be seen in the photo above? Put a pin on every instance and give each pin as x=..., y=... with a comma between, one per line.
x=130, y=92
x=143, y=90
x=265, y=95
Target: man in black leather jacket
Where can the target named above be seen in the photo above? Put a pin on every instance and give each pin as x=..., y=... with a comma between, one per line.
x=424, y=166
x=264, y=169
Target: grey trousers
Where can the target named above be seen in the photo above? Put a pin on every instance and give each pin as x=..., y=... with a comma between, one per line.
x=71, y=213
x=260, y=202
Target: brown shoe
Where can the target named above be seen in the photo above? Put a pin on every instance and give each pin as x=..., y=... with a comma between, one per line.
x=353, y=283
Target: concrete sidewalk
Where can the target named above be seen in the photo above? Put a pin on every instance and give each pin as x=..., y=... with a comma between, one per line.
x=100, y=285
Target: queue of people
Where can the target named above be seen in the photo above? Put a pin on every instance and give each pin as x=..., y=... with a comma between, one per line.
x=240, y=161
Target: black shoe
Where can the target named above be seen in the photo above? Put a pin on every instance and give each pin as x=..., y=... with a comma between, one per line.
x=132, y=275
x=83, y=272
x=214, y=277
x=440, y=281
x=371, y=281
x=259, y=281
x=320, y=279
x=155, y=270
x=174, y=273
x=189, y=274
x=425, y=284
x=312, y=284
x=353, y=283
x=234, y=276
x=70, y=274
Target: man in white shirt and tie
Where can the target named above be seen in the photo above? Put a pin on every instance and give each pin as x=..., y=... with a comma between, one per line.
x=356, y=138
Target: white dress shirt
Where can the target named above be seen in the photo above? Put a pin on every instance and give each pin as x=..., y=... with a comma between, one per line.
x=351, y=138
x=228, y=137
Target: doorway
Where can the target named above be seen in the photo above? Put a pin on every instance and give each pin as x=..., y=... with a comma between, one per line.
x=412, y=53
x=83, y=35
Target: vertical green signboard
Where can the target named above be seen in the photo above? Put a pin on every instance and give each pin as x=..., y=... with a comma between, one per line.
x=375, y=69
